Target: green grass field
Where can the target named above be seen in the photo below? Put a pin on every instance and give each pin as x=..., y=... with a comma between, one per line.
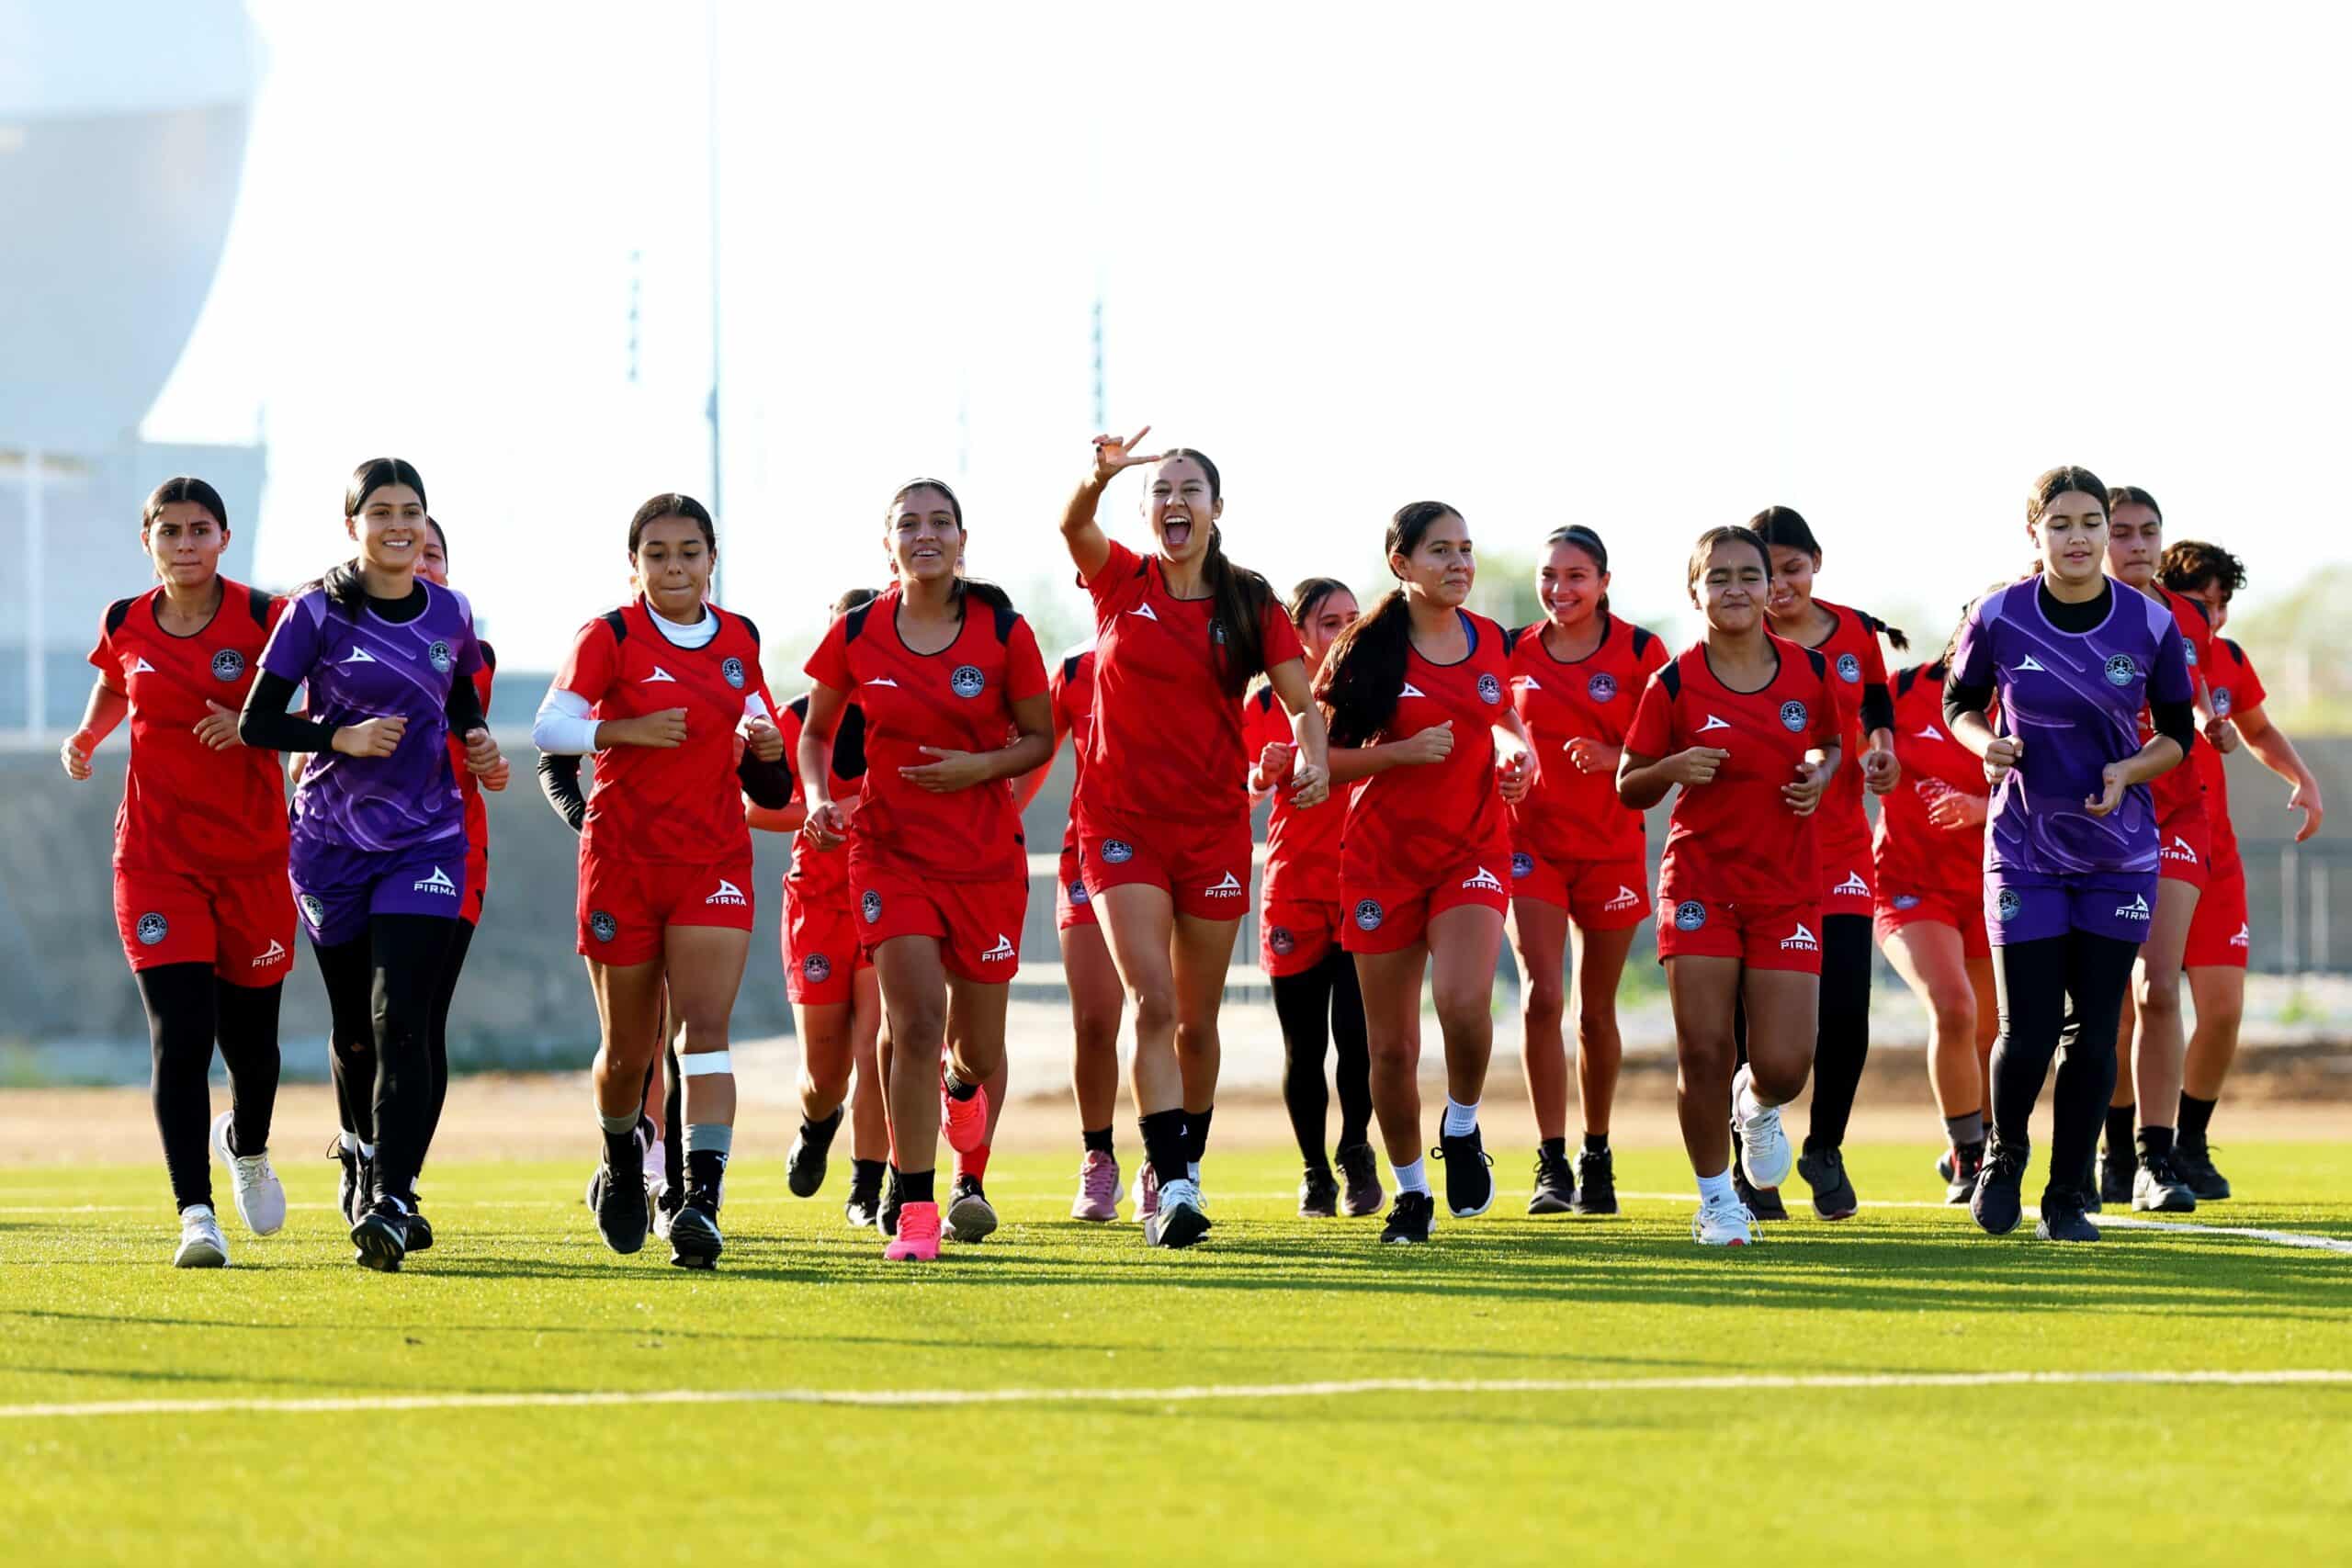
x=1231, y=1462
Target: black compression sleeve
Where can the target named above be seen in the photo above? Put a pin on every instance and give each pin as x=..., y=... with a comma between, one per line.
x=264, y=722
x=767, y=783
x=559, y=782
x=2175, y=721
x=1878, y=708
x=1964, y=697
x=464, y=708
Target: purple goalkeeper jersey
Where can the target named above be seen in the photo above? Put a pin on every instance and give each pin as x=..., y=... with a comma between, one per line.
x=2075, y=699
x=361, y=666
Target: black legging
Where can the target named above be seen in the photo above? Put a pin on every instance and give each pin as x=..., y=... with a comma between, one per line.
x=1841, y=1045
x=2060, y=992
x=380, y=990
x=1305, y=1004
x=188, y=1008
x=438, y=1041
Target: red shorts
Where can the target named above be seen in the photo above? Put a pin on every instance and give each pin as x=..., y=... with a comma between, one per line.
x=1295, y=934
x=1204, y=867
x=1073, y=905
x=1599, y=895
x=977, y=924
x=2186, y=851
x=1389, y=917
x=624, y=906
x=2218, y=933
x=477, y=882
x=1763, y=936
x=243, y=925
x=1960, y=908
x=1849, y=883
x=821, y=956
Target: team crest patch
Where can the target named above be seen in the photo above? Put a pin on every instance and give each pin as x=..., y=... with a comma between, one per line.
x=1117, y=854
x=228, y=664
x=1079, y=897
x=1600, y=688
x=1369, y=915
x=2121, y=671
x=1521, y=867
x=313, y=909
x=1850, y=669
x=440, y=658
x=2221, y=702
x=1489, y=689
x=152, y=929
x=870, y=905
x=967, y=680
x=817, y=968
x=1690, y=914
x=2188, y=650
x=2008, y=906
x=1280, y=941
x=602, y=927
x=1793, y=715
x=1906, y=900
x=732, y=672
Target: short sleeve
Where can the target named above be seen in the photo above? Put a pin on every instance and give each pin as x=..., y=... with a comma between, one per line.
x=2249, y=684
x=103, y=659
x=591, y=667
x=1826, y=731
x=1651, y=659
x=296, y=641
x=2171, y=681
x=1117, y=571
x=1025, y=667
x=788, y=724
x=1280, y=637
x=1971, y=660
x=829, y=666
x=1652, y=731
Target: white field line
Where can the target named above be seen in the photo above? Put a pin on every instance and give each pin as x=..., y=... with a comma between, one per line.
x=2120, y=1221
x=1182, y=1394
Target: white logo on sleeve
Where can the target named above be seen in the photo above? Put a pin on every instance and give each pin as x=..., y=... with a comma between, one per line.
x=1801, y=940
x=358, y=656
x=142, y=668
x=727, y=893
x=2180, y=849
x=2028, y=663
x=1853, y=886
x=1624, y=898
x=276, y=950
x=1412, y=691
x=1484, y=881
x=882, y=681
x=438, y=883
x=1002, y=953
x=1228, y=888
x=1712, y=723
x=658, y=674
x=1931, y=733
x=1145, y=611
x=1527, y=682
x=2135, y=910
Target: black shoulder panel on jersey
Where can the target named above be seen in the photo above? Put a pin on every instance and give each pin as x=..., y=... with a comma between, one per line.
x=1904, y=678
x=617, y=622
x=2236, y=651
x=1070, y=667
x=1265, y=699
x=799, y=706
x=118, y=613
x=750, y=627
x=2203, y=613
x=849, y=744
x=1641, y=640
x=1511, y=638
x=1820, y=665
x=258, y=605
x=853, y=624
x=1670, y=675
x=490, y=658
x=1005, y=615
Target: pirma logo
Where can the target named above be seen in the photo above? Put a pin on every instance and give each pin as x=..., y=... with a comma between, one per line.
x=817, y=968
x=440, y=658
x=152, y=929
x=1280, y=941
x=1489, y=689
x=870, y=905
x=228, y=664
x=1523, y=866
x=1117, y=854
x=1853, y=886
x=1906, y=900
x=438, y=883
x=2243, y=939
x=732, y=674
x=1228, y=888
x=2180, y=849
x=1850, y=669
x=2121, y=671
x=967, y=680
x=2135, y=910
x=2006, y=906
x=1623, y=899
x=1801, y=940
x=1002, y=953
x=1368, y=915
x=1793, y=715
x=1483, y=881
x=1690, y=914
x=2221, y=702
x=1600, y=688
x=602, y=927
x=727, y=893
x=1079, y=897
x=313, y=909
x=269, y=955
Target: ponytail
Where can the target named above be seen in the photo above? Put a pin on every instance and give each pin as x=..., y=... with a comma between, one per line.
x=1364, y=674
x=986, y=592
x=1238, y=601
x=1894, y=635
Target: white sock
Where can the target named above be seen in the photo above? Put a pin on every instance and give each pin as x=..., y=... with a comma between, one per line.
x=1193, y=1169
x=1461, y=1121
x=1411, y=1178
x=1716, y=1189
x=367, y=1151
x=351, y=1142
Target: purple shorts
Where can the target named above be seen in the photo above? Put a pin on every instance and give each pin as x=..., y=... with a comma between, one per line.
x=337, y=889
x=2028, y=906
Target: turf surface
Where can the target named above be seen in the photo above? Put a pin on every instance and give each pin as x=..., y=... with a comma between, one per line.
x=519, y=1297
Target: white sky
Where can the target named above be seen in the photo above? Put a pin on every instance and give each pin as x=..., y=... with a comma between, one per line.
x=1646, y=268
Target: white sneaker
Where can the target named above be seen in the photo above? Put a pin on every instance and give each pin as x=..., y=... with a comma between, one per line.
x=1722, y=1225
x=1179, y=1221
x=657, y=1170
x=261, y=1198
x=1764, y=1152
x=202, y=1246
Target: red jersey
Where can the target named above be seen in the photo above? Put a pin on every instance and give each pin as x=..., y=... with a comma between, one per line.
x=1735, y=839
x=1070, y=684
x=477, y=813
x=682, y=806
x=2233, y=686
x=960, y=699
x=1411, y=826
x=186, y=808
x=823, y=874
x=1572, y=816
x=1302, y=846
x=2180, y=789
x=1913, y=855
x=1167, y=741
x=1856, y=668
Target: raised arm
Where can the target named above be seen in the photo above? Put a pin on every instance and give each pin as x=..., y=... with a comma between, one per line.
x=1089, y=546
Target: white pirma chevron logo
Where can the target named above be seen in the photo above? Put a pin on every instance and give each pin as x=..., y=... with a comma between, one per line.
x=438, y=883
x=1002, y=953
x=727, y=893
x=1931, y=733
x=1799, y=938
x=1712, y=723
x=1412, y=691
x=2028, y=663
x=1483, y=879
x=1145, y=611
x=883, y=680
x=1624, y=898
x=1228, y=888
x=142, y=668
x=1854, y=885
x=658, y=674
x=2135, y=910
x=270, y=956
x=360, y=656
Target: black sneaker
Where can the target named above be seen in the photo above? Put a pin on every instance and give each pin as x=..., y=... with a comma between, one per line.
x=804, y=1164
x=2115, y=1177
x=1763, y=1202
x=1999, y=1201
x=1556, y=1184
x=1409, y=1218
x=1319, y=1194
x=695, y=1241
x=2195, y=1164
x=1360, y=1193
x=420, y=1229
x=970, y=1216
x=2157, y=1187
x=1959, y=1168
x=2063, y=1218
x=365, y=1184
x=2087, y=1188
x=1595, y=1183
x=865, y=1205
x=1824, y=1169
x=1469, y=1175
x=381, y=1236
x=885, y=1218
x=348, y=1190
x=617, y=1194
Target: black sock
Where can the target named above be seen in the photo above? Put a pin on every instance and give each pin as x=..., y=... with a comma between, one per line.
x=1163, y=1144
x=622, y=1151
x=706, y=1171
x=1098, y=1141
x=867, y=1173
x=958, y=1089
x=821, y=1132
x=2155, y=1143
x=2121, y=1120
x=915, y=1187
x=2196, y=1117
x=1557, y=1147
x=1196, y=1136
x=1596, y=1143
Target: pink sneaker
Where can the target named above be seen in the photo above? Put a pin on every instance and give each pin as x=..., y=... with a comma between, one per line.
x=1146, y=1192
x=918, y=1237
x=1098, y=1187
x=965, y=1121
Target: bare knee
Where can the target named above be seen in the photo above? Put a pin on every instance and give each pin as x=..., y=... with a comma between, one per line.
x=1703, y=1057
x=1545, y=1004
x=1597, y=1031
x=1954, y=1016
x=1095, y=1028
x=1463, y=1011
x=2160, y=995
x=919, y=1025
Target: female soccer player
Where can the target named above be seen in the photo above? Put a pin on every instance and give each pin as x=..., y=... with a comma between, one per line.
x=2154, y=1030
x=1164, y=828
x=1315, y=995
x=1579, y=860
x=1928, y=857
x=2070, y=877
x=199, y=857
x=661, y=690
x=1848, y=640
x=954, y=695
x=1422, y=683
x=2219, y=937
x=1748, y=726
x=378, y=852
